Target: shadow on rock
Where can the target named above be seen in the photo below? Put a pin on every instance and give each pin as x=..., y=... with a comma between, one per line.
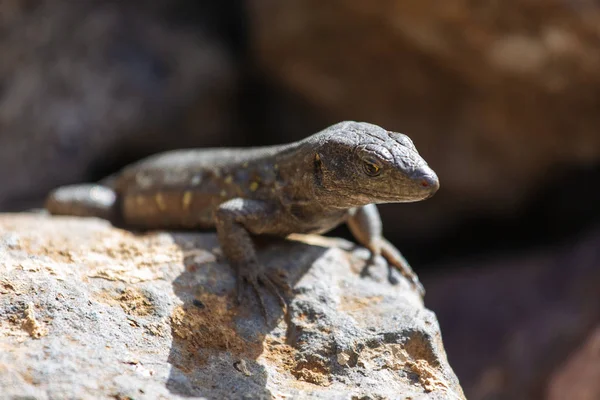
x=216, y=343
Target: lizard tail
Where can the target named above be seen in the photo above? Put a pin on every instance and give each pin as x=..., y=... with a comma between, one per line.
x=86, y=200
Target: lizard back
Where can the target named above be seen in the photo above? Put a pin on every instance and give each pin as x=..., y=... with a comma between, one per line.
x=183, y=188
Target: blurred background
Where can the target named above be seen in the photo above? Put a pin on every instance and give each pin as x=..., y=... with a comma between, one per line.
x=501, y=97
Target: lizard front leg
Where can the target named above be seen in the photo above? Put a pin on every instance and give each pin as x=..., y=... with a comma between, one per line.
x=235, y=220
x=365, y=225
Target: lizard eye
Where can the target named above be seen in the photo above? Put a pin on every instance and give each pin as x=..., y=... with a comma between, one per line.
x=371, y=168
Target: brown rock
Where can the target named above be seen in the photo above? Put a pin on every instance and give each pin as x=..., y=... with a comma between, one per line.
x=31, y=325
x=523, y=326
x=579, y=377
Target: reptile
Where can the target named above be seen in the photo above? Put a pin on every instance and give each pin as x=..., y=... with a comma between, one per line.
x=335, y=176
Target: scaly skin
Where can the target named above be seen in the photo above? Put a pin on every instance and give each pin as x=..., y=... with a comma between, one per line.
x=310, y=186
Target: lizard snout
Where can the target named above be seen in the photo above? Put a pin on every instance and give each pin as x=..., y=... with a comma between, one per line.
x=427, y=180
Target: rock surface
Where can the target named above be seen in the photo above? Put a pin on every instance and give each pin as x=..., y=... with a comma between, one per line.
x=91, y=311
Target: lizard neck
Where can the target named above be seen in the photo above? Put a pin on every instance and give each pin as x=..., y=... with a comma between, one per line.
x=295, y=173
x=300, y=179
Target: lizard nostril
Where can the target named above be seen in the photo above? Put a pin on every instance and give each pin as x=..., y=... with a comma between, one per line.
x=428, y=180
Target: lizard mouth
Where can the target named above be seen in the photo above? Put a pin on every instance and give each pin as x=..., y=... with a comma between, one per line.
x=395, y=197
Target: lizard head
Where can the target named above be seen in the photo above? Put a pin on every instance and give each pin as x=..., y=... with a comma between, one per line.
x=363, y=163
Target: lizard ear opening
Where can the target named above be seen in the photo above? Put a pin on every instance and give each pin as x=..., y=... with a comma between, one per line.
x=318, y=170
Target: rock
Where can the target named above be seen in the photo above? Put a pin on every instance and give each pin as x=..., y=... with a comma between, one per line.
x=132, y=81
x=88, y=310
x=523, y=325
x=499, y=97
x=579, y=377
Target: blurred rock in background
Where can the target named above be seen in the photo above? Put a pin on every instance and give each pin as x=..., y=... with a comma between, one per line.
x=513, y=324
x=87, y=86
x=502, y=99
x=579, y=377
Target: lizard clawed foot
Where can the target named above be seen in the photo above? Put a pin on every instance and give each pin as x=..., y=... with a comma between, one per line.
x=255, y=277
x=391, y=278
x=365, y=271
x=372, y=261
x=412, y=279
x=395, y=260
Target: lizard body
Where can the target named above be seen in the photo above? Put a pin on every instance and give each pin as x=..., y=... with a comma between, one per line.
x=310, y=186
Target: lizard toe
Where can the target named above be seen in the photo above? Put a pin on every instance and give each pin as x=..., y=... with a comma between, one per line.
x=257, y=282
x=391, y=278
x=412, y=279
x=273, y=288
x=279, y=279
x=259, y=296
x=240, y=291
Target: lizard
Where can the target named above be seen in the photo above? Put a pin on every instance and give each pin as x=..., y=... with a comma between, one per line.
x=313, y=185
